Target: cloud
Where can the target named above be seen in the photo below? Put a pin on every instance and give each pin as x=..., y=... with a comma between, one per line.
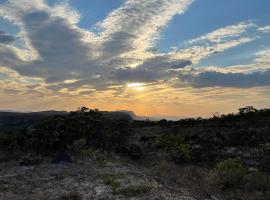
x=61, y=52
x=263, y=57
x=265, y=29
x=68, y=58
x=6, y=39
x=224, y=34
x=216, y=41
x=64, y=51
x=236, y=80
x=136, y=25
x=159, y=66
x=240, y=76
x=155, y=69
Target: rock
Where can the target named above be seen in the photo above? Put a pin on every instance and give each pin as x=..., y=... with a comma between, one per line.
x=231, y=150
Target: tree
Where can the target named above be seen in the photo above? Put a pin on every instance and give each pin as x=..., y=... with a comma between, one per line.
x=83, y=109
x=248, y=109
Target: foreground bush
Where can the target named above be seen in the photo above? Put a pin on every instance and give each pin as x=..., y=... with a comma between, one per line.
x=229, y=172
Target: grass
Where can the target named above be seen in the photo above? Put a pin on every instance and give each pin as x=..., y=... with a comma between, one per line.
x=131, y=190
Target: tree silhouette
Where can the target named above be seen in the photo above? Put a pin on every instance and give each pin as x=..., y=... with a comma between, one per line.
x=248, y=109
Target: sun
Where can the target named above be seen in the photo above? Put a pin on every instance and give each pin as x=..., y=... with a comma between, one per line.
x=136, y=86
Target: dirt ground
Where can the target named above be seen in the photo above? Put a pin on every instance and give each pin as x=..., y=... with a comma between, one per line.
x=49, y=181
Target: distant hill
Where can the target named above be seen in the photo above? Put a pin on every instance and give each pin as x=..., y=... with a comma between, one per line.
x=10, y=120
x=119, y=115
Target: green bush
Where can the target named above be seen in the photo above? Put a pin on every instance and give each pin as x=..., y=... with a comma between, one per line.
x=181, y=154
x=134, y=190
x=175, y=146
x=168, y=141
x=230, y=172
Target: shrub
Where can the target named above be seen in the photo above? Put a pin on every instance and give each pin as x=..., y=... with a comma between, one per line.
x=102, y=160
x=81, y=149
x=134, y=152
x=181, y=153
x=110, y=180
x=175, y=146
x=168, y=141
x=230, y=172
x=134, y=190
x=256, y=181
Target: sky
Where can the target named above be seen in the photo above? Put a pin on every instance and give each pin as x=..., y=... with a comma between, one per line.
x=183, y=58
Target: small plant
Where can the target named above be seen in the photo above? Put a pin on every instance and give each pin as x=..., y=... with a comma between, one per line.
x=110, y=180
x=114, y=186
x=134, y=190
x=102, y=161
x=230, y=172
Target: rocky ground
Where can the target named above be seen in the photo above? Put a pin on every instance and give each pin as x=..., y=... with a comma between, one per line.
x=88, y=180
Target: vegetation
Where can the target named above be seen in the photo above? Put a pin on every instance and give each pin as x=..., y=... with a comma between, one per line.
x=80, y=149
x=111, y=181
x=230, y=172
x=174, y=144
x=78, y=129
x=236, y=147
x=134, y=190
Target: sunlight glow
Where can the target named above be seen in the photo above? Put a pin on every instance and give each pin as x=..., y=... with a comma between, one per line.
x=136, y=86
x=132, y=85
